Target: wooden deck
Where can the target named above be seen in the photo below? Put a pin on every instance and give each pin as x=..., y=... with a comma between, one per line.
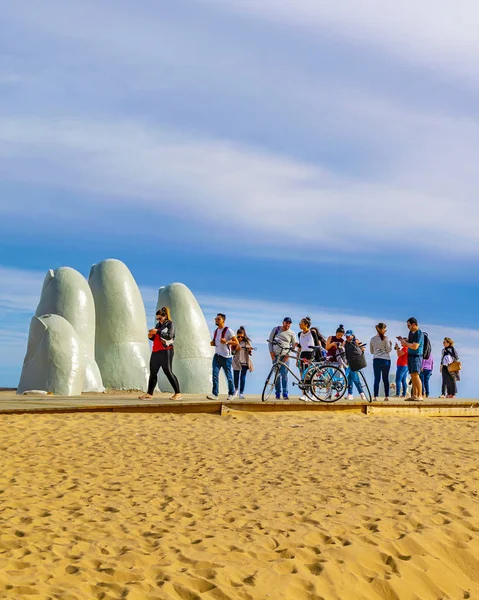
x=11, y=404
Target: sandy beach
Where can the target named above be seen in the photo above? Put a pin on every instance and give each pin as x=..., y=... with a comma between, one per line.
x=297, y=506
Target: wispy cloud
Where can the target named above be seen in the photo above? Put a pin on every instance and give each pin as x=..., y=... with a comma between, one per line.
x=217, y=181
x=437, y=33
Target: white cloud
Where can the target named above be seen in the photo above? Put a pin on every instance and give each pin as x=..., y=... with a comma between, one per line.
x=258, y=192
x=441, y=34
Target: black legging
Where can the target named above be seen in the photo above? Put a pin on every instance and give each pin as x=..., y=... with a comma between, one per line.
x=162, y=359
x=448, y=382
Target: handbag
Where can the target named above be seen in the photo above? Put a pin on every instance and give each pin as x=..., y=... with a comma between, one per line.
x=454, y=366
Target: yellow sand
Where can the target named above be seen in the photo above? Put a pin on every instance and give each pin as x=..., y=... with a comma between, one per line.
x=242, y=506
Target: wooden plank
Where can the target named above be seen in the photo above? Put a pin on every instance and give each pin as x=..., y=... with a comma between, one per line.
x=296, y=407
x=425, y=411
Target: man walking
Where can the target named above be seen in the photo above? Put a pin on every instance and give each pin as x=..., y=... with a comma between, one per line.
x=415, y=346
x=223, y=339
x=280, y=339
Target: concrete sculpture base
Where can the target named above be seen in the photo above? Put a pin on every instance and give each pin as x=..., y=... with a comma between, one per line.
x=54, y=361
x=122, y=350
x=66, y=293
x=193, y=353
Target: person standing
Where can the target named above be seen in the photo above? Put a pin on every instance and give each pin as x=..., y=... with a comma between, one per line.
x=281, y=338
x=415, y=346
x=380, y=347
x=401, y=370
x=223, y=340
x=307, y=338
x=162, y=336
x=353, y=349
x=335, y=344
x=242, y=361
x=449, y=376
x=426, y=372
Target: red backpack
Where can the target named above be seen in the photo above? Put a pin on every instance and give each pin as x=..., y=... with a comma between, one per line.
x=225, y=329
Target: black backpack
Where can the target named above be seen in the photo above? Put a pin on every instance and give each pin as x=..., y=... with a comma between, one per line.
x=427, y=349
x=355, y=356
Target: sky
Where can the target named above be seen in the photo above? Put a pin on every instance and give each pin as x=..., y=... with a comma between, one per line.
x=279, y=158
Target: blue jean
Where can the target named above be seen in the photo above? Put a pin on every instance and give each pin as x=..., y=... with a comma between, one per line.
x=425, y=377
x=401, y=380
x=353, y=379
x=381, y=367
x=282, y=381
x=240, y=378
x=221, y=362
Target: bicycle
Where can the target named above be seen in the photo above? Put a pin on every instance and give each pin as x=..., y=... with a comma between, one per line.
x=324, y=383
x=302, y=382
x=362, y=379
x=328, y=380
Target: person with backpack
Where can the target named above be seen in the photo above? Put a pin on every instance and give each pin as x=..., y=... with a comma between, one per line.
x=356, y=362
x=415, y=343
x=162, y=336
x=242, y=361
x=307, y=338
x=280, y=340
x=380, y=347
x=223, y=340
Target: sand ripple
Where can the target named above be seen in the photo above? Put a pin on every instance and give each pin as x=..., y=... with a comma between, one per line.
x=109, y=506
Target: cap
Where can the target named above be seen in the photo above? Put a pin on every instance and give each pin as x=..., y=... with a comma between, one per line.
x=349, y=332
x=287, y=320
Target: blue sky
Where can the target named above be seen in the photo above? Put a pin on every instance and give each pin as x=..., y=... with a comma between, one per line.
x=319, y=158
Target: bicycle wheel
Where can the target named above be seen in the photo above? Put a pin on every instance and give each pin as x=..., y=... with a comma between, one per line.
x=270, y=383
x=328, y=383
x=365, y=385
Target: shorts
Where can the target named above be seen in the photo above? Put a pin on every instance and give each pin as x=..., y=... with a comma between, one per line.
x=414, y=364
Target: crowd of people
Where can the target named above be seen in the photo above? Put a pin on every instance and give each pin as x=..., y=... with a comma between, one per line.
x=233, y=352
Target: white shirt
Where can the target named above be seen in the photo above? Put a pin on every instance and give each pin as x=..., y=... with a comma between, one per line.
x=306, y=340
x=223, y=349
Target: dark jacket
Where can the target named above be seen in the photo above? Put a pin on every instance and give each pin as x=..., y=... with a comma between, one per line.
x=166, y=332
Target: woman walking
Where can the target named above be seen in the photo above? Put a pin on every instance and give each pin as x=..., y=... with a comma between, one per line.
x=401, y=371
x=242, y=361
x=162, y=336
x=450, y=375
x=380, y=347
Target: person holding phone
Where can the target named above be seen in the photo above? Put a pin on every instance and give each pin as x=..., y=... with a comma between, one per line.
x=401, y=370
x=415, y=345
x=162, y=336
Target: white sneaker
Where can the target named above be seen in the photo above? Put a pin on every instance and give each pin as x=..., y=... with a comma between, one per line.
x=303, y=398
x=363, y=396
x=231, y=397
x=350, y=397
x=241, y=396
x=236, y=394
x=211, y=397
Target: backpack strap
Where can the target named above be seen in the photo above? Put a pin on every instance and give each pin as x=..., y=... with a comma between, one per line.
x=223, y=333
